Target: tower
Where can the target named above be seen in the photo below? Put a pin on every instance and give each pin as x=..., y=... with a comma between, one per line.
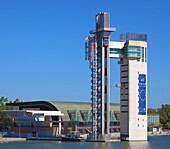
x=133, y=88
x=132, y=52
x=98, y=55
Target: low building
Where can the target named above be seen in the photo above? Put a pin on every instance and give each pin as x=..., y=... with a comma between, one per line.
x=77, y=116
x=35, y=123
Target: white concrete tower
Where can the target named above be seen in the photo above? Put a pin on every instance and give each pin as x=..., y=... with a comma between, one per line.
x=133, y=91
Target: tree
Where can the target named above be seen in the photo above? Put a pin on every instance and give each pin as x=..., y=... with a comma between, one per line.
x=160, y=125
x=3, y=102
x=16, y=100
x=164, y=114
x=167, y=125
x=151, y=126
x=5, y=121
x=150, y=110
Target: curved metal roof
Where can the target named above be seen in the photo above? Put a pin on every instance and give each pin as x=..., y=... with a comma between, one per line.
x=64, y=107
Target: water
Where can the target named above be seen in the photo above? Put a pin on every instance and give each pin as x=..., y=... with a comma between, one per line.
x=155, y=142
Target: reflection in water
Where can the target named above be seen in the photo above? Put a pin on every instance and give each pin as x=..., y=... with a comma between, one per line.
x=139, y=145
x=99, y=145
x=122, y=145
x=157, y=142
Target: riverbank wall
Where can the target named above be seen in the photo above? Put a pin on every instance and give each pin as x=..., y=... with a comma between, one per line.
x=6, y=140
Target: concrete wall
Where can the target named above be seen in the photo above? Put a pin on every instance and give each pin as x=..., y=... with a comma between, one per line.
x=137, y=123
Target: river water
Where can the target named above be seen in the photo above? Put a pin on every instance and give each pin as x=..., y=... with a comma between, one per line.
x=154, y=142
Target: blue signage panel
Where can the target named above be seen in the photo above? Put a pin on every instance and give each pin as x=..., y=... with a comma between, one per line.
x=142, y=94
x=38, y=114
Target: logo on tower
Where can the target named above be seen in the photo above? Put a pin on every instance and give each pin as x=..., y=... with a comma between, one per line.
x=142, y=94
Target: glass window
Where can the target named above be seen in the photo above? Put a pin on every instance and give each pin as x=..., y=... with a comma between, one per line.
x=106, y=42
x=74, y=115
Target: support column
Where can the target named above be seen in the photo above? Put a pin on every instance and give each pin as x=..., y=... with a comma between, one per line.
x=65, y=128
x=74, y=127
x=48, y=118
x=59, y=125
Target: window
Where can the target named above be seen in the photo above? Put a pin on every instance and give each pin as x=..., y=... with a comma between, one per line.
x=74, y=115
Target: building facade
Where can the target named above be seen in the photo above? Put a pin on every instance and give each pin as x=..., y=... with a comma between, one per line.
x=35, y=123
x=31, y=118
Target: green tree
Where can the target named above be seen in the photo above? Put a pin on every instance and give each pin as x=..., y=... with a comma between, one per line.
x=164, y=114
x=167, y=125
x=5, y=121
x=160, y=125
x=150, y=110
x=3, y=102
x=151, y=126
x=16, y=100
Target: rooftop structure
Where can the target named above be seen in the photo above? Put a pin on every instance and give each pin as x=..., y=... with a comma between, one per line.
x=69, y=109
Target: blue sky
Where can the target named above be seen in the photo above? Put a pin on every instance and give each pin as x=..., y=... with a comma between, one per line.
x=42, y=47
